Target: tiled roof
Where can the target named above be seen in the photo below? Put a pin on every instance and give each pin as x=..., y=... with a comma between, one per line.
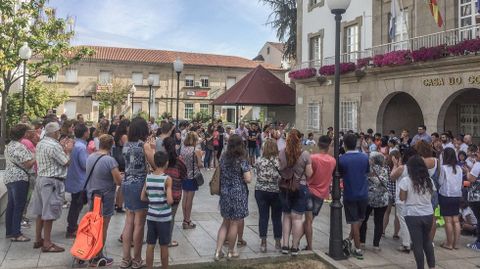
x=168, y=57
x=278, y=46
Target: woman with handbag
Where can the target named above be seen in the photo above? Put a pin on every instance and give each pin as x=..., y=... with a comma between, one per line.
x=378, y=198
x=192, y=158
x=103, y=178
x=178, y=172
x=18, y=161
x=295, y=168
x=234, y=176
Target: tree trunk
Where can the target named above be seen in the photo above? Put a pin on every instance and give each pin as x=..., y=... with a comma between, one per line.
x=3, y=117
x=112, y=110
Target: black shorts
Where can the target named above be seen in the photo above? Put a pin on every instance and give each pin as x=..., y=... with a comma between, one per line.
x=355, y=210
x=158, y=231
x=449, y=206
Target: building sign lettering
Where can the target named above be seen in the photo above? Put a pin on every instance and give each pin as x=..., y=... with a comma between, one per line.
x=452, y=81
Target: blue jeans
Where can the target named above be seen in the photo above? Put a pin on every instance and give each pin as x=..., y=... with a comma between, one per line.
x=17, y=198
x=207, y=158
x=267, y=201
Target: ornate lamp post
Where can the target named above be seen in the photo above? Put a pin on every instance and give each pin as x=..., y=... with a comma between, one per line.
x=178, y=67
x=132, y=92
x=25, y=54
x=337, y=7
x=150, y=95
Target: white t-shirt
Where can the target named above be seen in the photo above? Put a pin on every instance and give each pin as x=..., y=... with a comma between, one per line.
x=475, y=170
x=464, y=147
x=468, y=211
x=397, y=186
x=470, y=162
x=448, y=145
x=417, y=204
x=451, y=184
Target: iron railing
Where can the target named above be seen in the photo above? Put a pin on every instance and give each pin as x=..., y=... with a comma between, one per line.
x=448, y=37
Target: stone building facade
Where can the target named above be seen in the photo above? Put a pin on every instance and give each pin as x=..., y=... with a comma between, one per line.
x=205, y=77
x=443, y=94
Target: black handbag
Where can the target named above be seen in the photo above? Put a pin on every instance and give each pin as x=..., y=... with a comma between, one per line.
x=199, y=177
x=82, y=197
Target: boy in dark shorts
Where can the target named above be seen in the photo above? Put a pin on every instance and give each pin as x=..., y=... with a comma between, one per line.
x=354, y=168
x=158, y=192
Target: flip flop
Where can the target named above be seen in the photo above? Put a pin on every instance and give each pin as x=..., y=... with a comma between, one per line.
x=52, y=249
x=442, y=245
x=241, y=243
x=20, y=238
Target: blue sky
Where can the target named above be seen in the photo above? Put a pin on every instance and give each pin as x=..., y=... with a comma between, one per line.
x=231, y=27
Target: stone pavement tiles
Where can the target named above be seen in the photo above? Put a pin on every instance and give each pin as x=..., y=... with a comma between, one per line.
x=198, y=245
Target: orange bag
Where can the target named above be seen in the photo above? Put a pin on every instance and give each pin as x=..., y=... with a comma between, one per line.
x=89, y=240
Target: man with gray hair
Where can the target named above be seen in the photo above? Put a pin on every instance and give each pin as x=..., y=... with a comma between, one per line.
x=48, y=196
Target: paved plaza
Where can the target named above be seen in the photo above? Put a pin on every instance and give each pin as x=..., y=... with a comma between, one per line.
x=198, y=245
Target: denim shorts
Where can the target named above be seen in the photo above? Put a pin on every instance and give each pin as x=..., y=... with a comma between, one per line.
x=296, y=202
x=314, y=204
x=158, y=231
x=131, y=196
x=252, y=151
x=189, y=185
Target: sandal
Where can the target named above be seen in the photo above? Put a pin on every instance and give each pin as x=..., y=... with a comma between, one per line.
x=38, y=244
x=187, y=225
x=20, y=238
x=125, y=263
x=173, y=244
x=241, y=243
x=137, y=264
x=396, y=237
x=52, y=249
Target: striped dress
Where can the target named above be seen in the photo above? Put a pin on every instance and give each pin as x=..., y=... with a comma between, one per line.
x=158, y=208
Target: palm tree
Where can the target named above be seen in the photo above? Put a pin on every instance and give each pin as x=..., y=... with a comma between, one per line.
x=284, y=19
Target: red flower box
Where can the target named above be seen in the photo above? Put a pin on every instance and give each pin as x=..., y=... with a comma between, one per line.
x=428, y=54
x=329, y=70
x=302, y=73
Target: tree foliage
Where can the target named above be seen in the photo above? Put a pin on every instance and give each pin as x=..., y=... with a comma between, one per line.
x=112, y=94
x=284, y=19
x=202, y=116
x=49, y=38
x=39, y=98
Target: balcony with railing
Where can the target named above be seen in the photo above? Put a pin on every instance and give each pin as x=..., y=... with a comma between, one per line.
x=454, y=42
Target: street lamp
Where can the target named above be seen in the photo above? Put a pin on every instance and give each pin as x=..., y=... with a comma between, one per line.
x=337, y=7
x=132, y=92
x=178, y=67
x=25, y=54
x=150, y=84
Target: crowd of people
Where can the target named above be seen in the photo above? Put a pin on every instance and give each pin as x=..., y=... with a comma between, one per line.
x=145, y=171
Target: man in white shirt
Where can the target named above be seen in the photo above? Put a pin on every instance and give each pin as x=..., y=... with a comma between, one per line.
x=446, y=141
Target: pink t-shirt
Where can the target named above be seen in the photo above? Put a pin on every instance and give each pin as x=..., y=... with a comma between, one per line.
x=31, y=147
x=323, y=166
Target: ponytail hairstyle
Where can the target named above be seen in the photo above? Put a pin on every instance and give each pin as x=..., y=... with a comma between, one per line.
x=418, y=173
x=293, y=149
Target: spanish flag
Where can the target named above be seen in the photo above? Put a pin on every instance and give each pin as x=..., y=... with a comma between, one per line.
x=435, y=12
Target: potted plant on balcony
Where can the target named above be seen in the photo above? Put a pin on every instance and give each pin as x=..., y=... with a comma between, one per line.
x=429, y=54
x=303, y=73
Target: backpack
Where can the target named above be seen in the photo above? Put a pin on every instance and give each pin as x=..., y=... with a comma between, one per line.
x=89, y=240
